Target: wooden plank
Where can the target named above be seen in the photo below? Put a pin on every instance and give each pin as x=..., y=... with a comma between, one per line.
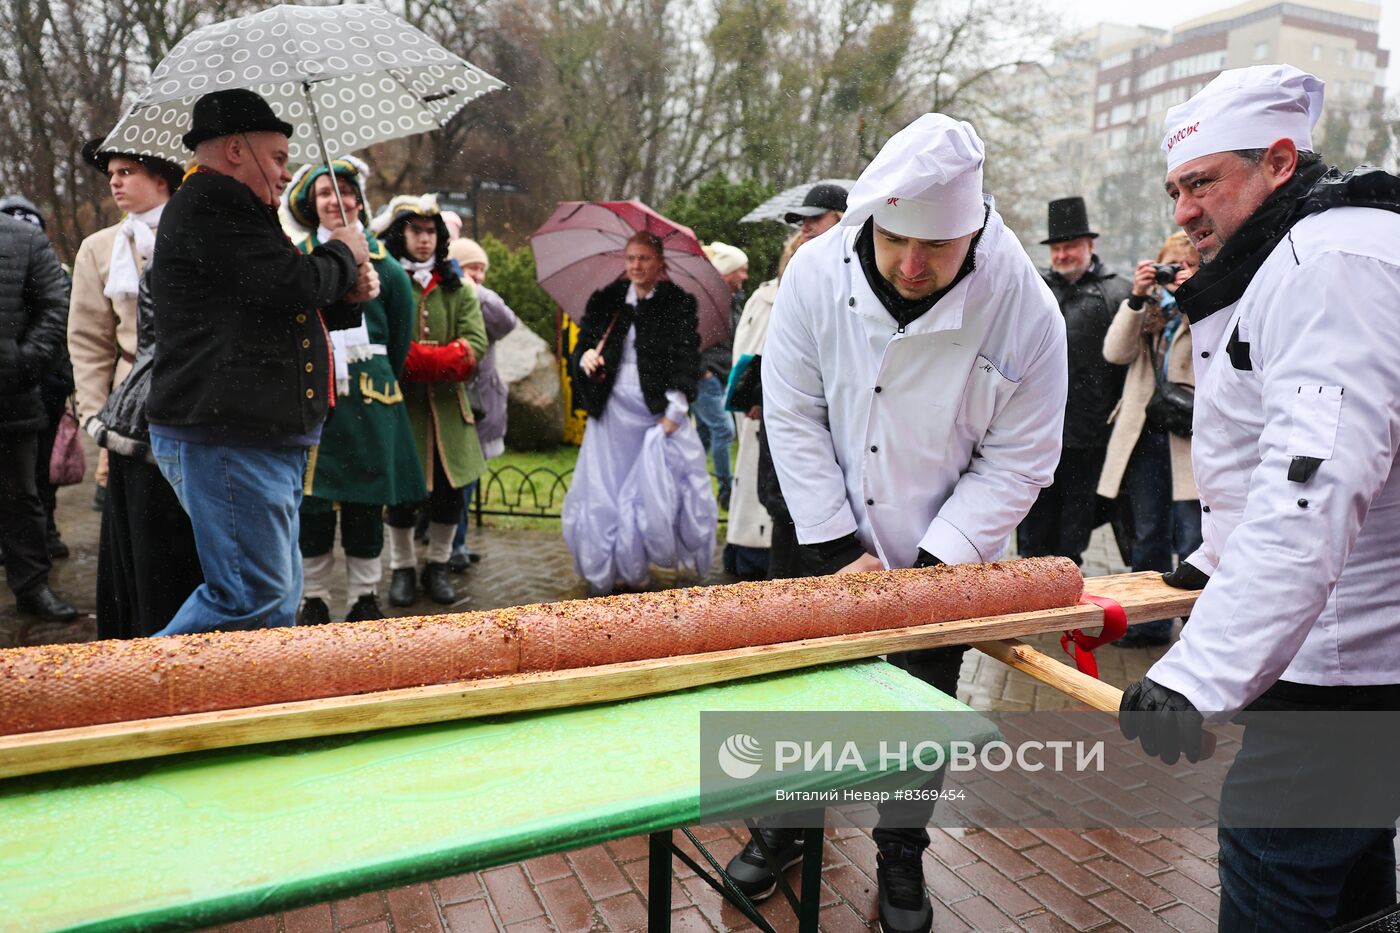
x=1143, y=596
x=1068, y=680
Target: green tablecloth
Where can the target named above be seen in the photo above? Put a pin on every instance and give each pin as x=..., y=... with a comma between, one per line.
x=213, y=836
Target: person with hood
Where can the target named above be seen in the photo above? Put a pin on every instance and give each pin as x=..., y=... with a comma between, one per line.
x=641, y=491
x=914, y=382
x=1296, y=454
x=1064, y=515
x=366, y=458
x=448, y=337
x=242, y=378
x=55, y=390
x=33, y=317
x=147, y=565
x=487, y=393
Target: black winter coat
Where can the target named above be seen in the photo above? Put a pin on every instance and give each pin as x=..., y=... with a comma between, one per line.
x=668, y=344
x=1095, y=385
x=238, y=341
x=33, y=322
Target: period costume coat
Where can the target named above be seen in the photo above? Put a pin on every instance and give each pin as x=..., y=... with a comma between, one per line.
x=101, y=330
x=440, y=412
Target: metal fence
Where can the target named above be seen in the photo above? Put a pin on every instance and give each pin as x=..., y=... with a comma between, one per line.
x=536, y=493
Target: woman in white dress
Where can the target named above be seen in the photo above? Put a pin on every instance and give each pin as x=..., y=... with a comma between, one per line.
x=641, y=491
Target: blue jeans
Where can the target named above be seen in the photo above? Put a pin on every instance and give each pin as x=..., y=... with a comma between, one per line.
x=1160, y=525
x=459, y=540
x=242, y=503
x=715, y=425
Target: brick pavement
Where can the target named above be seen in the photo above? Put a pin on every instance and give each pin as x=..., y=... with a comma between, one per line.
x=984, y=880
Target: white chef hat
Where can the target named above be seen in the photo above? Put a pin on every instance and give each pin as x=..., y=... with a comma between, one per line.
x=1244, y=108
x=925, y=183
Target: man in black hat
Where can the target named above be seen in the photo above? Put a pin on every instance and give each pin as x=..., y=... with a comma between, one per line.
x=242, y=378
x=819, y=211
x=1089, y=294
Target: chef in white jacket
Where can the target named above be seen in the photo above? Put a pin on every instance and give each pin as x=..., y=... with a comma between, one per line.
x=1294, y=320
x=914, y=384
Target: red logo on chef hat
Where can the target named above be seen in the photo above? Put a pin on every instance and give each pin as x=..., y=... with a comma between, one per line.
x=1181, y=134
x=892, y=202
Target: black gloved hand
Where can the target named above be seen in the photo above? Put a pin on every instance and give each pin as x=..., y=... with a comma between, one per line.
x=927, y=560
x=1166, y=723
x=1186, y=577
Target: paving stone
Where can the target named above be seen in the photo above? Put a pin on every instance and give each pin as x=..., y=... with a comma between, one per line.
x=1185, y=920
x=624, y=913
x=315, y=919
x=1202, y=900
x=469, y=917
x=1005, y=859
x=547, y=868
x=1070, y=907
x=1129, y=913
x=511, y=894
x=413, y=909
x=456, y=888
x=366, y=907
x=598, y=872
x=997, y=888
x=566, y=903
x=1130, y=882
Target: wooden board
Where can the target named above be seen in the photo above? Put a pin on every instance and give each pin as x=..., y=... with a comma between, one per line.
x=1143, y=597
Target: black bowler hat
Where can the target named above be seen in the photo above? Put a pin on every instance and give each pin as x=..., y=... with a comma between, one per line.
x=819, y=200
x=237, y=110
x=97, y=157
x=1069, y=220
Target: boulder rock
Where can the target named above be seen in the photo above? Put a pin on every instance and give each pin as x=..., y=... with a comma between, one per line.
x=535, y=404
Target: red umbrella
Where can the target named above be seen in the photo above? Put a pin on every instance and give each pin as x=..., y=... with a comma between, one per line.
x=581, y=248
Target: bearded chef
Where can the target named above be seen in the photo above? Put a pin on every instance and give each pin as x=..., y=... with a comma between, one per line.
x=914, y=386
x=1297, y=422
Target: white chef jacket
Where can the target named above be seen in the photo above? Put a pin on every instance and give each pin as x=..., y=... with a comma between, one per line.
x=938, y=435
x=1303, y=574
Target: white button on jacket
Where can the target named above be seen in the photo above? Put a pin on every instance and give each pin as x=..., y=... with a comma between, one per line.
x=1303, y=572
x=938, y=437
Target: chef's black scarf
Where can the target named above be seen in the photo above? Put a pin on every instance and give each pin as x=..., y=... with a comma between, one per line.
x=905, y=310
x=1220, y=282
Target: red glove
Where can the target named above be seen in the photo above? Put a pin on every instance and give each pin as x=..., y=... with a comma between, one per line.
x=453, y=362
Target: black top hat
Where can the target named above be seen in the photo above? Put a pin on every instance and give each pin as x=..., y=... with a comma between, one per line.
x=97, y=157
x=1069, y=220
x=819, y=200
x=236, y=110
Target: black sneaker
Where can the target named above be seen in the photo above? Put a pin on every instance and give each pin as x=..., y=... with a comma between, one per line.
x=366, y=609
x=314, y=611
x=750, y=870
x=904, y=905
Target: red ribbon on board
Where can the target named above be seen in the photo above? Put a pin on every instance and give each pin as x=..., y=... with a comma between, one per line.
x=1115, y=623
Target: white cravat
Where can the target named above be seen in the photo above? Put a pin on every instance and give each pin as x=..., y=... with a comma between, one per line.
x=123, y=278
x=350, y=345
x=422, y=272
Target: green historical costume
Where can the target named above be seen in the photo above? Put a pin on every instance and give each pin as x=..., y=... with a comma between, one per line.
x=366, y=458
x=444, y=429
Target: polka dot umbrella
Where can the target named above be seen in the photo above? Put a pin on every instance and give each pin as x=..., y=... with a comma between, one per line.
x=345, y=77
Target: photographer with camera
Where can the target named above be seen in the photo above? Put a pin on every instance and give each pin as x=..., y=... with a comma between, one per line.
x=1149, y=452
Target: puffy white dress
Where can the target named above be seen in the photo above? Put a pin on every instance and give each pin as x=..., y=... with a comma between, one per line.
x=638, y=496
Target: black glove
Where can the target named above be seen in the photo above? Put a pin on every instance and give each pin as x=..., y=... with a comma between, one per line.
x=1163, y=720
x=1186, y=577
x=927, y=560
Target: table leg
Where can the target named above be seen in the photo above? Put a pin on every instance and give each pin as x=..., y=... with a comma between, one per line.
x=809, y=910
x=659, y=882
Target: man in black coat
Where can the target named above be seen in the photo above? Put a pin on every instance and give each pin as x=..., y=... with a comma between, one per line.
x=33, y=322
x=241, y=378
x=1062, y=518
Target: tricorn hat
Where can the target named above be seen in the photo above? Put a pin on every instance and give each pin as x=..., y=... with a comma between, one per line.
x=1069, y=220
x=236, y=110
x=819, y=200
x=98, y=157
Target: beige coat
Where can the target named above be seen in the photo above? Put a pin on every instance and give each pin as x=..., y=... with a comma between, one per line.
x=1125, y=344
x=101, y=333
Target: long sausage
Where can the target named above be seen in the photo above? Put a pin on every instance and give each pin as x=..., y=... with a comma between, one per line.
x=59, y=686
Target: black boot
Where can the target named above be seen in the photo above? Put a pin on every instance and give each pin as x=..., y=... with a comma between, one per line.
x=366, y=609
x=437, y=585
x=314, y=611
x=57, y=549
x=904, y=906
x=750, y=870
x=402, y=589
x=43, y=602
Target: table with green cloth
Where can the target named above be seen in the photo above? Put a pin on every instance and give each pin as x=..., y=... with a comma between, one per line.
x=211, y=837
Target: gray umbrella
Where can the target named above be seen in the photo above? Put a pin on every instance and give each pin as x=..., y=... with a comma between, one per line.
x=356, y=74
x=776, y=207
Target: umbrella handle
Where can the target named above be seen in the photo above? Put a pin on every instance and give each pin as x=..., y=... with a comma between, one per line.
x=325, y=154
